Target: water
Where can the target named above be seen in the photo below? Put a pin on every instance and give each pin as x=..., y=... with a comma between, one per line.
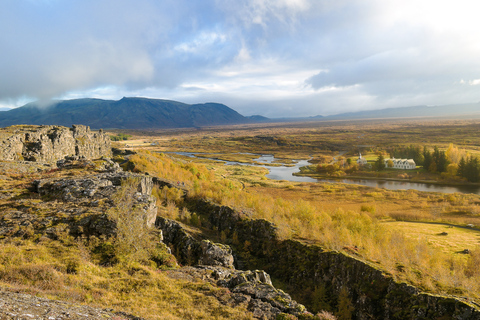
x=286, y=173
x=404, y=185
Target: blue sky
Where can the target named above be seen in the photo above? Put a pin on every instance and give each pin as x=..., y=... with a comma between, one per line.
x=270, y=57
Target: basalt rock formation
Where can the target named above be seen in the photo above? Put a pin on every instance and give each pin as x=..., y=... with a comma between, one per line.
x=214, y=262
x=374, y=294
x=76, y=206
x=52, y=143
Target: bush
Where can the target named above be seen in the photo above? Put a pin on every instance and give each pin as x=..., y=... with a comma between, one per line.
x=134, y=240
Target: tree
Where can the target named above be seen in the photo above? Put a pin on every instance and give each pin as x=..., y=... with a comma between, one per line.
x=427, y=158
x=461, y=167
x=440, y=159
x=345, y=306
x=380, y=163
x=472, y=170
x=320, y=300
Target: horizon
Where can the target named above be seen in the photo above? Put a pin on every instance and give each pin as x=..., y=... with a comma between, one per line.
x=47, y=104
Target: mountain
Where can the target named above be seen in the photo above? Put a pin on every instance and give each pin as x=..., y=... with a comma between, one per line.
x=454, y=110
x=258, y=118
x=127, y=113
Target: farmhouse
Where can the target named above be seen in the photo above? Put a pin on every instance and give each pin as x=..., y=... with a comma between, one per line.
x=407, y=164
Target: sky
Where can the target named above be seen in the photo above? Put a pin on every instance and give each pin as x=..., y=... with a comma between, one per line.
x=276, y=58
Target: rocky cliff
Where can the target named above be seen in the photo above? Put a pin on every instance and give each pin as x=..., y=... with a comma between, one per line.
x=374, y=294
x=52, y=143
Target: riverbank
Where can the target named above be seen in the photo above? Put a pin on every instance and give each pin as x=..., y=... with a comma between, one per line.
x=455, y=186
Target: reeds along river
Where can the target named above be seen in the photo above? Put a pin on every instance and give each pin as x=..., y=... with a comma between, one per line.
x=286, y=173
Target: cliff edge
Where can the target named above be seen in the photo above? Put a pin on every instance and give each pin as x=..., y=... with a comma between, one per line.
x=52, y=143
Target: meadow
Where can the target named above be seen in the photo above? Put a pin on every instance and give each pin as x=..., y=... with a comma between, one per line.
x=417, y=237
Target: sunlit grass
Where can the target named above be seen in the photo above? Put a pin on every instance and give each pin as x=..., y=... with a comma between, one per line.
x=67, y=272
x=339, y=216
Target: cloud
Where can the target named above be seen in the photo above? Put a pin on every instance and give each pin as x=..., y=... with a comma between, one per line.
x=274, y=57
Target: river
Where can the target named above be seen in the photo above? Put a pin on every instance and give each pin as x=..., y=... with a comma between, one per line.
x=286, y=173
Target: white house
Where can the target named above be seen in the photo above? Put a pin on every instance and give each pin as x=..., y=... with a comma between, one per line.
x=406, y=164
x=361, y=160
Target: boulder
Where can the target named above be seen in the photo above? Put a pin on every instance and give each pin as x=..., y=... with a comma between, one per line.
x=215, y=254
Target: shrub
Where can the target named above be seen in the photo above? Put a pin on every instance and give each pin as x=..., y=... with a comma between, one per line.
x=134, y=240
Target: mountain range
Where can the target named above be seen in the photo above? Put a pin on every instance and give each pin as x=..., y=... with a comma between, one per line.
x=127, y=113
x=454, y=110
x=144, y=113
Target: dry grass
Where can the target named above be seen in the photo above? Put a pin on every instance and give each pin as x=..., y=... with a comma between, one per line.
x=56, y=271
x=338, y=216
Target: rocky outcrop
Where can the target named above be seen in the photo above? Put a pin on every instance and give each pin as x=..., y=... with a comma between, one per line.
x=186, y=248
x=52, y=143
x=215, y=254
x=93, y=190
x=75, y=206
x=264, y=300
x=215, y=262
x=374, y=294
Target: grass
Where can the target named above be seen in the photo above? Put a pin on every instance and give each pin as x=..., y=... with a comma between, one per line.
x=101, y=272
x=454, y=241
x=54, y=270
x=339, y=216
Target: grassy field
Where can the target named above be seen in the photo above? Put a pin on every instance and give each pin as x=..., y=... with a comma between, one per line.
x=339, y=216
x=448, y=238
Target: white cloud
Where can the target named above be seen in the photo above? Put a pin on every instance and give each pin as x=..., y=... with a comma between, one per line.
x=303, y=56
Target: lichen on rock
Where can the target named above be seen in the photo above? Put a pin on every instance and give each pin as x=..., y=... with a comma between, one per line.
x=52, y=143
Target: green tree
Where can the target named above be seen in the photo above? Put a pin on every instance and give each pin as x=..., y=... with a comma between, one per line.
x=461, y=167
x=320, y=300
x=345, y=306
x=427, y=158
x=380, y=163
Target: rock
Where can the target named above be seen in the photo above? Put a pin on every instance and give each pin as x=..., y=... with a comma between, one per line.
x=186, y=248
x=87, y=198
x=375, y=295
x=215, y=254
x=14, y=305
x=52, y=143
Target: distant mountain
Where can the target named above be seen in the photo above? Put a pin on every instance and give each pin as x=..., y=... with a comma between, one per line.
x=5, y=109
x=454, y=110
x=258, y=118
x=127, y=113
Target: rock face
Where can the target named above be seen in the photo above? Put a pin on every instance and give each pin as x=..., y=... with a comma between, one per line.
x=185, y=247
x=52, y=143
x=215, y=262
x=215, y=254
x=255, y=287
x=373, y=294
x=95, y=189
x=75, y=206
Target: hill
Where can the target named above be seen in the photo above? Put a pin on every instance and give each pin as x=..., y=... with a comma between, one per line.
x=127, y=113
x=455, y=110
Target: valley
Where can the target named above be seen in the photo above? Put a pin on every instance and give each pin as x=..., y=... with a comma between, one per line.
x=337, y=216
x=339, y=250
